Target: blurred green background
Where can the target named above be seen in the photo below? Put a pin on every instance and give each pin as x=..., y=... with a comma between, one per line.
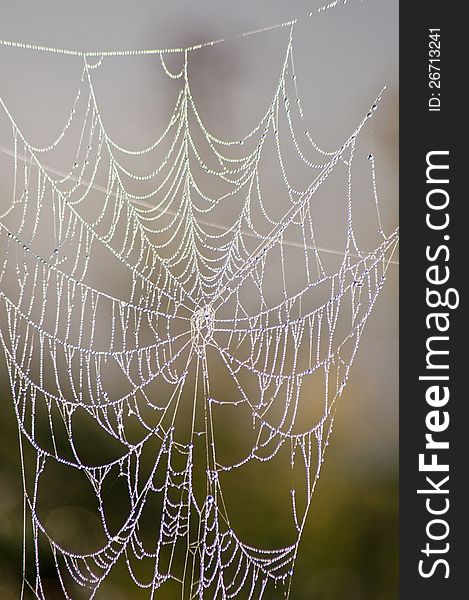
x=349, y=548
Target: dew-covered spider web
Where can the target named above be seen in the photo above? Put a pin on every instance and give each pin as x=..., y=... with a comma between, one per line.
x=212, y=345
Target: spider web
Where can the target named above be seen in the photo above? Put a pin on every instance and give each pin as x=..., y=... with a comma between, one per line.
x=254, y=302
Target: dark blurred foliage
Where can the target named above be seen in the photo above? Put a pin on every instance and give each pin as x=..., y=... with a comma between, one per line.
x=348, y=550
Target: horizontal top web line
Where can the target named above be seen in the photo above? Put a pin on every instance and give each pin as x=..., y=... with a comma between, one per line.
x=219, y=226
x=142, y=52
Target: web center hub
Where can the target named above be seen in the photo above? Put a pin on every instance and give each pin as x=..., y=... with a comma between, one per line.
x=202, y=327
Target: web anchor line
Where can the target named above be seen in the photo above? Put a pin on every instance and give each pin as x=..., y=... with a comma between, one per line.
x=162, y=51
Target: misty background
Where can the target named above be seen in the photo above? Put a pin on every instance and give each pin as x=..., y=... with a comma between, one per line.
x=343, y=58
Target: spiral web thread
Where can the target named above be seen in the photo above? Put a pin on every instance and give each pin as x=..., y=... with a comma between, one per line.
x=198, y=297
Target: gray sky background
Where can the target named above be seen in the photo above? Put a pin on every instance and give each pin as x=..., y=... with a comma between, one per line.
x=343, y=59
